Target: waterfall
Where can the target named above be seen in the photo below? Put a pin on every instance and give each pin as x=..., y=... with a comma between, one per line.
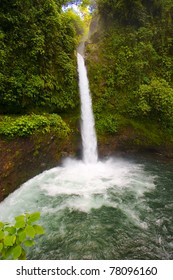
x=89, y=140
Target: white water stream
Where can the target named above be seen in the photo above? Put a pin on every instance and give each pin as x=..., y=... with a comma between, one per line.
x=89, y=141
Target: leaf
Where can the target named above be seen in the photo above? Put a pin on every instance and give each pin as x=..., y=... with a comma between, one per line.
x=38, y=229
x=1, y=225
x=1, y=234
x=6, y=252
x=34, y=217
x=9, y=240
x=22, y=235
x=20, y=224
x=30, y=231
x=20, y=221
x=11, y=229
x=1, y=246
x=23, y=255
x=17, y=252
x=29, y=243
x=20, y=218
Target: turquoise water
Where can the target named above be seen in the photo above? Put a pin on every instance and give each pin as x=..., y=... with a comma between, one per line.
x=116, y=209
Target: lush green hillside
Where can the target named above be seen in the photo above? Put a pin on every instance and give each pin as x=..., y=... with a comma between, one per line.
x=130, y=64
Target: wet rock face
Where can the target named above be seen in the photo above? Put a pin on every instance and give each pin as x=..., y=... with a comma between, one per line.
x=23, y=158
x=128, y=142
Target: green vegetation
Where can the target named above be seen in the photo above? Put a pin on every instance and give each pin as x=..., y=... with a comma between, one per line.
x=37, y=57
x=129, y=58
x=27, y=125
x=38, y=69
x=15, y=238
x=155, y=99
x=130, y=64
x=107, y=123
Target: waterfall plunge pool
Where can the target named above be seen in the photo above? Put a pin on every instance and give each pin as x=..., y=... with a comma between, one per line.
x=113, y=209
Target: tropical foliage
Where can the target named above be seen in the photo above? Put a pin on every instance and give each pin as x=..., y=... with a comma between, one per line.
x=37, y=59
x=15, y=238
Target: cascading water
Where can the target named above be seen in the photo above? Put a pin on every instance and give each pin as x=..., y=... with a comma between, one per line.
x=91, y=209
x=89, y=141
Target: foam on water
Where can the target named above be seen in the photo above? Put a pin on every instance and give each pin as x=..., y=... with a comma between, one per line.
x=82, y=187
